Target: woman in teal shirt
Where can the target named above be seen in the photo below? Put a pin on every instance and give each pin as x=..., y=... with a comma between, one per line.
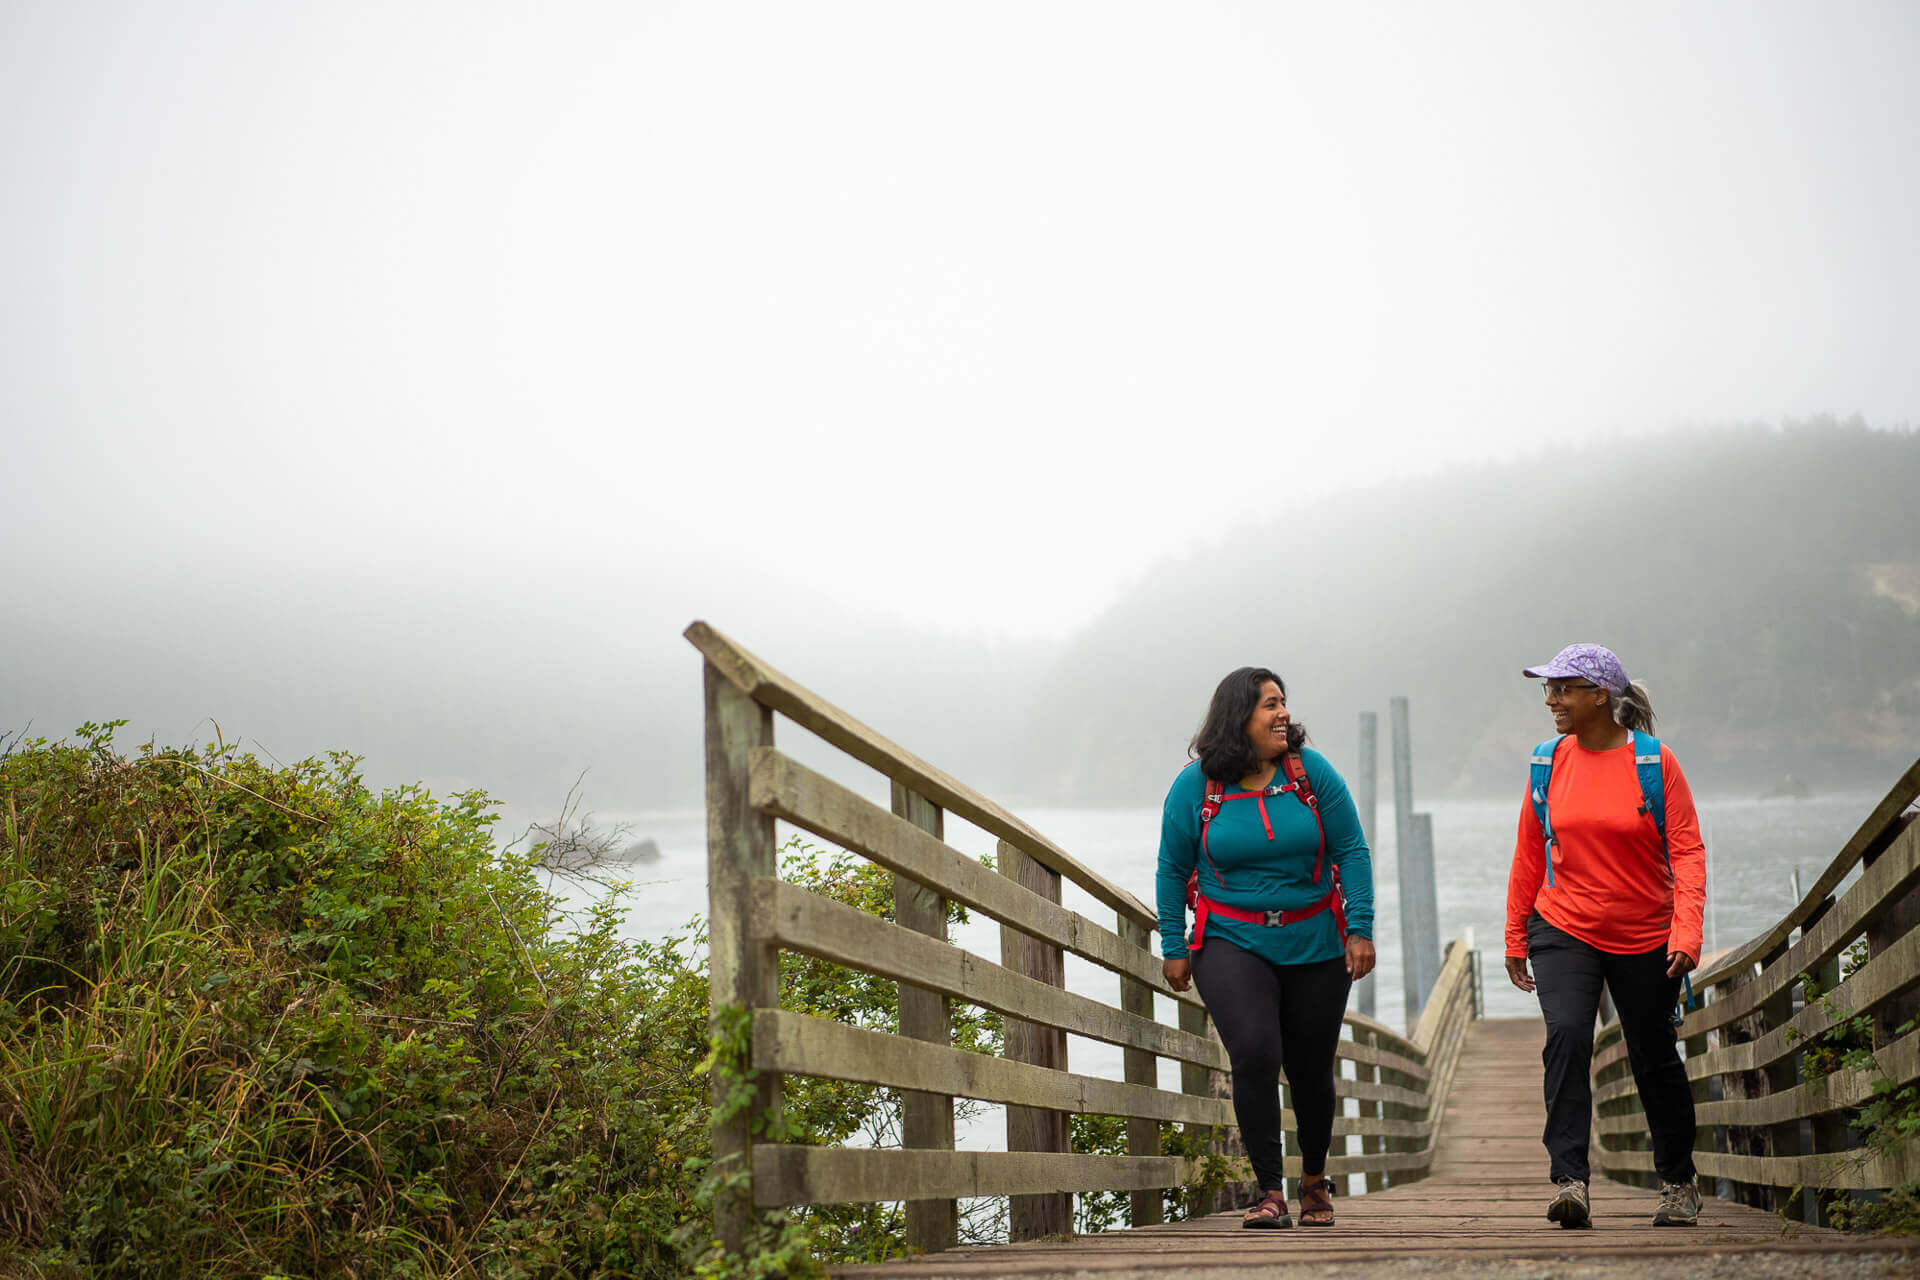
x=1261, y=823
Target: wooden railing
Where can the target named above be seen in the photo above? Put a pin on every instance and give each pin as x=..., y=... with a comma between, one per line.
x=1397, y=1087
x=1779, y=1124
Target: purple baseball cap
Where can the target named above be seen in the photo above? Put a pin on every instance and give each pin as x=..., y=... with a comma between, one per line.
x=1593, y=662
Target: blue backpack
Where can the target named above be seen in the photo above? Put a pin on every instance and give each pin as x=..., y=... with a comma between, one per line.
x=1653, y=800
x=1646, y=766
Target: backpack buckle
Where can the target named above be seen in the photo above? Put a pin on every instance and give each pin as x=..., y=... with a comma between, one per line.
x=1273, y=920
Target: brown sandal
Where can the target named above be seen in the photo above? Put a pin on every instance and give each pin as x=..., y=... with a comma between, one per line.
x=1316, y=1198
x=1270, y=1214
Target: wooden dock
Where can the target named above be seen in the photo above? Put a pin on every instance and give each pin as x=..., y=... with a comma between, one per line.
x=1485, y=1198
x=1446, y=1115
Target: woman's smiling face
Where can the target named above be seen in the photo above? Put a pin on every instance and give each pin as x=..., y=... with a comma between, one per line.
x=1575, y=704
x=1267, y=726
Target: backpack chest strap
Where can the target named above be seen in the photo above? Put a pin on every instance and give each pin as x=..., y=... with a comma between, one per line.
x=1297, y=782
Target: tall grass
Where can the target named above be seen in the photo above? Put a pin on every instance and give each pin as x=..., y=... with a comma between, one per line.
x=260, y=1021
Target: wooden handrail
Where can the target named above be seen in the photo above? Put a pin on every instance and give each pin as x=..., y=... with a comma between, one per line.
x=1872, y=835
x=794, y=793
x=769, y=688
x=1401, y=1083
x=1363, y=1026
x=796, y=1043
x=801, y=921
x=1747, y=1045
x=1890, y=880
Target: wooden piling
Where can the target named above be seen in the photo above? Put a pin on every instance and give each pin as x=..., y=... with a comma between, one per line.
x=1366, y=794
x=1419, y=913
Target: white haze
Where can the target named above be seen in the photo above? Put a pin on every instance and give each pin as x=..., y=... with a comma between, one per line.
x=346, y=343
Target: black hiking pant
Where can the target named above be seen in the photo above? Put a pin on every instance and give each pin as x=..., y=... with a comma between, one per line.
x=1568, y=974
x=1275, y=1016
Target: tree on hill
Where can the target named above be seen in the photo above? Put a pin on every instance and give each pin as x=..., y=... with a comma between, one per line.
x=1751, y=576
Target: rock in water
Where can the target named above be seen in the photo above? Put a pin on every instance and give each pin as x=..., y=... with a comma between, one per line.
x=641, y=851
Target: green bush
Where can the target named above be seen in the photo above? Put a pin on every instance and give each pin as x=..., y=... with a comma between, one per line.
x=1097, y=1211
x=261, y=1021
x=1894, y=1212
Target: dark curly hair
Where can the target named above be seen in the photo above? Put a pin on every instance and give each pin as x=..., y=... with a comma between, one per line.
x=1221, y=746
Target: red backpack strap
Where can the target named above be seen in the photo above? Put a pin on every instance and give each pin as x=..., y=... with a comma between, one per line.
x=1296, y=771
x=1209, y=806
x=1210, y=803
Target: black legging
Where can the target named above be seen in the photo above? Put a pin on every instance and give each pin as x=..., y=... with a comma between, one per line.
x=1270, y=1016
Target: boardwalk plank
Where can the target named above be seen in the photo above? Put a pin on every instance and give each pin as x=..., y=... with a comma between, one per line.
x=1486, y=1197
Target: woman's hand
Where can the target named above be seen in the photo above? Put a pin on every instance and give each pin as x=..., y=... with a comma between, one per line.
x=1177, y=971
x=1517, y=973
x=1359, y=956
x=1679, y=962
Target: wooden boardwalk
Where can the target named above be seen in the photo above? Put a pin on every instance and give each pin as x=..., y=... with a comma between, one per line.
x=1486, y=1197
x=1448, y=1114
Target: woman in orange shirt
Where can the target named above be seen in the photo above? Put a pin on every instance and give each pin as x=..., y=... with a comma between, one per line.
x=1600, y=893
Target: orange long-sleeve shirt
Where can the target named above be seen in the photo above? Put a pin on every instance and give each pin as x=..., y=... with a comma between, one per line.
x=1610, y=885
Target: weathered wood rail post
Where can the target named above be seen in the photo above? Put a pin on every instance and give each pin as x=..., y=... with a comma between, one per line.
x=926, y=1119
x=1197, y=1081
x=1048, y=1213
x=755, y=917
x=1144, y=1208
x=1757, y=1108
x=743, y=971
x=1369, y=1108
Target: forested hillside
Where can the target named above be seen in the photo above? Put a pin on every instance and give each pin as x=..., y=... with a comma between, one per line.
x=1765, y=583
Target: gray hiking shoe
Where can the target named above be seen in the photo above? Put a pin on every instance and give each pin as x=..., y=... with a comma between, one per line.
x=1569, y=1205
x=1679, y=1204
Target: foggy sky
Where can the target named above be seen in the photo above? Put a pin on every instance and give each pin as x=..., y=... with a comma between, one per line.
x=353, y=332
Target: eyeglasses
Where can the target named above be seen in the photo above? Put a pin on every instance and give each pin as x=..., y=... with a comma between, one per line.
x=1559, y=688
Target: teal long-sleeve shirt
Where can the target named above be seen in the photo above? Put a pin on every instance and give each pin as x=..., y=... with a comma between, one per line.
x=1262, y=873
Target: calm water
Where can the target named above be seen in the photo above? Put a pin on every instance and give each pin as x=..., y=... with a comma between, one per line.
x=1754, y=848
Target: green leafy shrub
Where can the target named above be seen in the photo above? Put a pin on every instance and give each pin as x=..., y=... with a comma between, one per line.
x=1847, y=1045
x=1888, y=1122
x=1896, y=1212
x=1097, y=1211
x=261, y=1021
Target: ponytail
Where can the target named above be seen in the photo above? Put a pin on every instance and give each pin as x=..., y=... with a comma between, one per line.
x=1633, y=708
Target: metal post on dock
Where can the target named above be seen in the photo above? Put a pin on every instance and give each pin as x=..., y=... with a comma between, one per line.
x=1423, y=939
x=1367, y=801
x=1473, y=969
x=1419, y=909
